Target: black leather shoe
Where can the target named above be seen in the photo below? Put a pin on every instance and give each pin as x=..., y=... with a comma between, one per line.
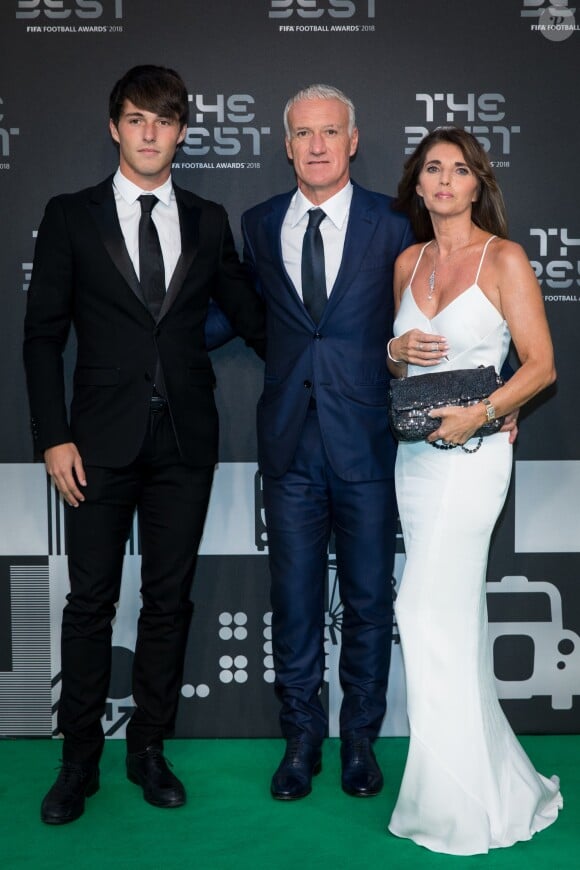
x=149, y=770
x=65, y=801
x=293, y=778
x=361, y=775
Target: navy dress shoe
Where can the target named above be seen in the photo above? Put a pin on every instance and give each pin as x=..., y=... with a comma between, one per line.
x=65, y=801
x=293, y=778
x=160, y=786
x=361, y=775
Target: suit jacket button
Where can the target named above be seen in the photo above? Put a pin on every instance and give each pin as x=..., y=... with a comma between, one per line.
x=308, y=384
x=317, y=336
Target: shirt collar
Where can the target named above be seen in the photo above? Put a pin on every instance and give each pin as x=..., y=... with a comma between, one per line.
x=130, y=192
x=336, y=208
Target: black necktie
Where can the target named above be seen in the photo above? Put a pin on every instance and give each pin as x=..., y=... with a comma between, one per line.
x=313, y=275
x=151, y=268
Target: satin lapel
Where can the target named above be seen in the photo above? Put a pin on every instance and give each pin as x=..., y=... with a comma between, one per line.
x=362, y=222
x=189, y=215
x=104, y=211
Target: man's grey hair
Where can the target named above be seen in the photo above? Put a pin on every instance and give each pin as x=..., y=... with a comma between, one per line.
x=321, y=92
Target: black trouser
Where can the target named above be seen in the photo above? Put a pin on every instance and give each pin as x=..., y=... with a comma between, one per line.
x=171, y=501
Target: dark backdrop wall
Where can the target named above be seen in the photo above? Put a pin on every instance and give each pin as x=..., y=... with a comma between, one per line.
x=508, y=70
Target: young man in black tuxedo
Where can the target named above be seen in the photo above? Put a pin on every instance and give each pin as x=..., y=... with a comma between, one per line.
x=131, y=264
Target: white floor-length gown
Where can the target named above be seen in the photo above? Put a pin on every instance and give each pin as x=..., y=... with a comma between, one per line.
x=468, y=786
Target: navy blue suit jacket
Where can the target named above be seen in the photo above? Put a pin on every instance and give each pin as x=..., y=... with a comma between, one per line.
x=342, y=360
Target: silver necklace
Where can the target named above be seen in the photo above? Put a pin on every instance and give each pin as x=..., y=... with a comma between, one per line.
x=433, y=276
x=431, y=281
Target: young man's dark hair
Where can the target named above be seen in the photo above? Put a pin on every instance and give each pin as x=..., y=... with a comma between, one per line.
x=153, y=88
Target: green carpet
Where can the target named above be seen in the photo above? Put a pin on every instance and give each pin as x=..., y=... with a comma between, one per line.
x=230, y=821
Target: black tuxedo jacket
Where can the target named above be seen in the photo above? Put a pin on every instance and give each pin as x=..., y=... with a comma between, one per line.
x=83, y=276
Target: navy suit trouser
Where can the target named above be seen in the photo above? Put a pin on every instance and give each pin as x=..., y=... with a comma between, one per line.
x=303, y=507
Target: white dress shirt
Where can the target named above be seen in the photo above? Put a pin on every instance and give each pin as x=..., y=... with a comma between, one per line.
x=165, y=216
x=332, y=229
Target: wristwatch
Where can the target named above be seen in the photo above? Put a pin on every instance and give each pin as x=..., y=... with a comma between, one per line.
x=489, y=410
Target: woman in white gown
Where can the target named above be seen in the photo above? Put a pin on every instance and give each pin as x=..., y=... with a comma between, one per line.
x=468, y=786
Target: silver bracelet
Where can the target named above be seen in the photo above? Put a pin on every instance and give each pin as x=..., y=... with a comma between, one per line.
x=398, y=362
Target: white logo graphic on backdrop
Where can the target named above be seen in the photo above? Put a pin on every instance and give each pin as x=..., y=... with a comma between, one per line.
x=550, y=524
x=6, y=136
x=557, y=263
x=71, y=16
x=555, y=20
x=27, y=268
x=549, y=655
x=224, y=127
x=323, y=16
x=318, y=8
x=25, y=706
x=268, y=660
x=483, y=115
x=233, y=627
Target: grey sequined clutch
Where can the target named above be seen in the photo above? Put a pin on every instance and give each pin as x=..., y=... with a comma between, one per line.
x=410, y=400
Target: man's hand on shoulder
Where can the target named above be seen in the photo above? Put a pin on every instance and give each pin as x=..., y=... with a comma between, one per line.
x=64, y=464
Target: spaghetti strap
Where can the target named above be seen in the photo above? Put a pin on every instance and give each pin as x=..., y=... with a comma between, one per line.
x=417, y=263
x=491, y=238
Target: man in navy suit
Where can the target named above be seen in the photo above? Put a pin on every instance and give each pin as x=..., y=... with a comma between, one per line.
x=325, y=450
x=143, y=427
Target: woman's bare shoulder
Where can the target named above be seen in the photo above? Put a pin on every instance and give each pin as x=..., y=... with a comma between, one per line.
x=407, y=258
x=506, y=254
